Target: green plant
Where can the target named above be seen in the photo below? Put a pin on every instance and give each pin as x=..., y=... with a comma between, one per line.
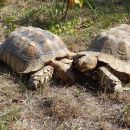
x=67, y=28
x=8, y=117
x=65, y=6
x=41, y=16
x=10, y=24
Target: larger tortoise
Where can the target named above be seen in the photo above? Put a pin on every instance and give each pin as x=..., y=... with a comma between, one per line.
x=109, y=54
x=33, y=50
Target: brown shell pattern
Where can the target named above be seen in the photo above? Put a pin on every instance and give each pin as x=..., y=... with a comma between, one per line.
x=115, y=41
x=31, y=43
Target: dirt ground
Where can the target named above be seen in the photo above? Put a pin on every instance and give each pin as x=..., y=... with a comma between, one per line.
x=57, y=106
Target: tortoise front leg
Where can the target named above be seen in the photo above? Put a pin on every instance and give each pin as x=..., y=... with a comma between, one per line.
x=108, y=80
x=41, y=76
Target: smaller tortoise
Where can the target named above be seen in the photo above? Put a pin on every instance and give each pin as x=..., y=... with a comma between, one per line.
x=109, y=54
x=38, y=52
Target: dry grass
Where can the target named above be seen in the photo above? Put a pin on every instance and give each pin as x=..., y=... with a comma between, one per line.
x=59, y=107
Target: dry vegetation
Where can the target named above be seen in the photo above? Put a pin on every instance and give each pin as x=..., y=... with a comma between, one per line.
x=57, y=106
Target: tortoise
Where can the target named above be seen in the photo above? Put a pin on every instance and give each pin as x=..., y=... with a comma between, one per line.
x=109, y=56
x=37, y=52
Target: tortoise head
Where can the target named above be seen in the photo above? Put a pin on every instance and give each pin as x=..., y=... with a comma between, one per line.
x=85, y=63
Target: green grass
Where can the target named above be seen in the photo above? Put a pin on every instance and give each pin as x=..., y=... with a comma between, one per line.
x=8, y=117
x=48, y=16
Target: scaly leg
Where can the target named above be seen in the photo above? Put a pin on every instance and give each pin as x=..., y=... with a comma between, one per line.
x=40, y=77
x=108, y=80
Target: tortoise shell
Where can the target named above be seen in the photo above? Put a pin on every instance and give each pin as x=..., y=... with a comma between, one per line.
x=28, y=48
x=113, y=48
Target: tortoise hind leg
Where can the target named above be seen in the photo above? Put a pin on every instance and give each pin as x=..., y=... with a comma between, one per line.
x=40, y=77
x=109, y=81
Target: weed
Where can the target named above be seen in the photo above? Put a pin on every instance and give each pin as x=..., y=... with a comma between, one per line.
x=126, y=115
x=8, y=117
x=68, y=28
x=10, y=25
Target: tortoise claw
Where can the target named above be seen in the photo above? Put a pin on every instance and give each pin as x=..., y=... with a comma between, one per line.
x=33, y=84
